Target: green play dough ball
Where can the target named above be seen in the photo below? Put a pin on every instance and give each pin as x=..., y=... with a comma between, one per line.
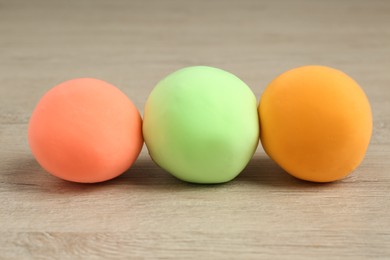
x=201, y=125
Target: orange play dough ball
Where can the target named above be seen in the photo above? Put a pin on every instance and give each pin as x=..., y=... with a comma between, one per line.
x=316, y=123
x=85, y=130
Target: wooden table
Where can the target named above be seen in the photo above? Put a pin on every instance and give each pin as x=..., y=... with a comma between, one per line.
x=146, y=213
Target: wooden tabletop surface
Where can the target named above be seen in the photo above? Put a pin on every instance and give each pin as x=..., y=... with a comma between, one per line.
x=145, y=213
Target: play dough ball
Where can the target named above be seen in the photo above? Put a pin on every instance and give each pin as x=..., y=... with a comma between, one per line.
x=201, y=124
x=315, y=123
x=85, y=130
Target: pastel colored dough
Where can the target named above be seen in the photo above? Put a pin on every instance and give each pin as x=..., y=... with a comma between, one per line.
x=316, y=123
x=85, y=130
x=201, y=124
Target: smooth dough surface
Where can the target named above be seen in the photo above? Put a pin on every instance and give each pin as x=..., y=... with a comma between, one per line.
x=85, y=130
x=316, y=123
x=201, y=124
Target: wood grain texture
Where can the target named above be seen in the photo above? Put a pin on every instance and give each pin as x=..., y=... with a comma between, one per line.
x=146, y=213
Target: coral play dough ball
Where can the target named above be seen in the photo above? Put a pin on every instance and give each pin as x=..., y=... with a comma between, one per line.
x=85, y=130
x=201, y=124
x=316, y=123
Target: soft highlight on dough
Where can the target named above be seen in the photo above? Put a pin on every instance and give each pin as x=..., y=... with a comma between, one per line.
x=85, y=130
x=201, y=124
x=316, y=123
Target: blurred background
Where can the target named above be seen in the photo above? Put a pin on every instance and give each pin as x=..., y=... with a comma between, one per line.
x=133, y=44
